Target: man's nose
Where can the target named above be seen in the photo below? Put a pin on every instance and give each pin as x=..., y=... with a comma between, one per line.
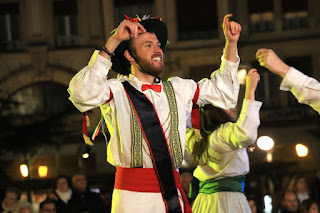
x=157, y=49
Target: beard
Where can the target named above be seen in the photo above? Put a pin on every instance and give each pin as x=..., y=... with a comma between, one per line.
x=148, y=67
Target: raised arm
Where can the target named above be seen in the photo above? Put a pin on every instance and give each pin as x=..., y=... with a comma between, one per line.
x=231, y=32
x=303, y=87
x=243, y=133
x=223, y=88
x=125, y=31
x=88, y=88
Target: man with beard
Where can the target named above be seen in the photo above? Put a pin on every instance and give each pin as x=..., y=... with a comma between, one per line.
x=147, y=117
x=289, y=203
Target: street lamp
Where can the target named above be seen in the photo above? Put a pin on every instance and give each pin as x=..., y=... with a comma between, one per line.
x=242, y=74
x=43, y=171
x=265, y=143
x=302, y=150
x=86, y=153
x=24, y=170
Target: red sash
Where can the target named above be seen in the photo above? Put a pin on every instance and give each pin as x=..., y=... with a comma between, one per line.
x=144, y=180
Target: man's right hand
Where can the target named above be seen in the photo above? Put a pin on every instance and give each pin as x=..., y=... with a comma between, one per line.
x=269, y=59
x=125, y=31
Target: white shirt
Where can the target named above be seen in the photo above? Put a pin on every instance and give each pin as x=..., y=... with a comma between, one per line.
x=304, y=88
x=91, y=87
x=228, y=144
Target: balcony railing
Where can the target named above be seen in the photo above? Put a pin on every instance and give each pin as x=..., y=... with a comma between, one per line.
x=10, y=45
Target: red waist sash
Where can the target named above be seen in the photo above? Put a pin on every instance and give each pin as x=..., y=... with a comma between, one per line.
x=144, y=180
x=140, y=179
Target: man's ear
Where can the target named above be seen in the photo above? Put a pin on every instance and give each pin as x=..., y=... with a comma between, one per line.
x=129, y=56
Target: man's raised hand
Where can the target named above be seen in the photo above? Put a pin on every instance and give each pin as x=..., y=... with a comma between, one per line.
x=268, y=58
x=231, y=29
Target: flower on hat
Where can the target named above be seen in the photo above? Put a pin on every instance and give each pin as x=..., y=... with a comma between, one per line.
x=138, y=19
x=132, y=19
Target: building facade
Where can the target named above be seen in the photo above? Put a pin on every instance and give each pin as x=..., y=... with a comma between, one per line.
x=43, y=43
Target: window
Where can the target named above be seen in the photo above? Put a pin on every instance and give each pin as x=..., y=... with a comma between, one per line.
x=10, y=26
x=303, y=64
x=43, y=99
x=203, y=71
x=278, y=105
x=65, y=12
x=132, y=8
x=268, y=88
x=260, y=15
x=295, y=14
x=197, y=21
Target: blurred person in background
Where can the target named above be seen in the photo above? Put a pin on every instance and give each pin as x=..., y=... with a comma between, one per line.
x=48, y=206
x=279, y=191
x=253, y=204
x=25, y=207
x=11, y=201
x=315, y=187
x=289, y=203
x=309, y=206
x=299, y=186
x=62, y=194
x=82, y=198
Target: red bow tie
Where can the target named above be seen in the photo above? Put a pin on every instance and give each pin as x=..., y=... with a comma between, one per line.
x=156, y=88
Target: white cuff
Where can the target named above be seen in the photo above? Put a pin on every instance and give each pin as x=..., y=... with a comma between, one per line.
x=293, y=78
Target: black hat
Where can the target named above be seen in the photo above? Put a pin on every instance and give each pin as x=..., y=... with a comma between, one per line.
x=120, y=64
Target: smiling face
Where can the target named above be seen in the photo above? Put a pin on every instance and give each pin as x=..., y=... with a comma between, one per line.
x=148, y=54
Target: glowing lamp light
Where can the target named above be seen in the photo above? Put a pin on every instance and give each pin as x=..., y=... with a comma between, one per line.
x=265, y=143
x=242, y=74
x=24, y=170
x=85, y=155
x=43, y=171
x=269, y=157
x=302, y=150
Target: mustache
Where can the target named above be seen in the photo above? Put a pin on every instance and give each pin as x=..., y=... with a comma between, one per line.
x=157, y=55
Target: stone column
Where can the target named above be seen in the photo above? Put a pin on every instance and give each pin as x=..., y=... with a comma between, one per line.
x=171, y=20
x=243, y=18
x=222, y=10
x=107, y=16
x=83, y=21
x=96, y=29
x=35, y=21
x=277, y=20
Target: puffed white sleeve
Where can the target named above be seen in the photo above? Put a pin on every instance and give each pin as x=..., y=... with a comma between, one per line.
x=304, y=88
x=222, y=89
x=88, y=88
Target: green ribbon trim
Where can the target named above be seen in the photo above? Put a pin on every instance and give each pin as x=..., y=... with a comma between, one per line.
x=231, y=184
x=175, y=143
x=136, y=135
